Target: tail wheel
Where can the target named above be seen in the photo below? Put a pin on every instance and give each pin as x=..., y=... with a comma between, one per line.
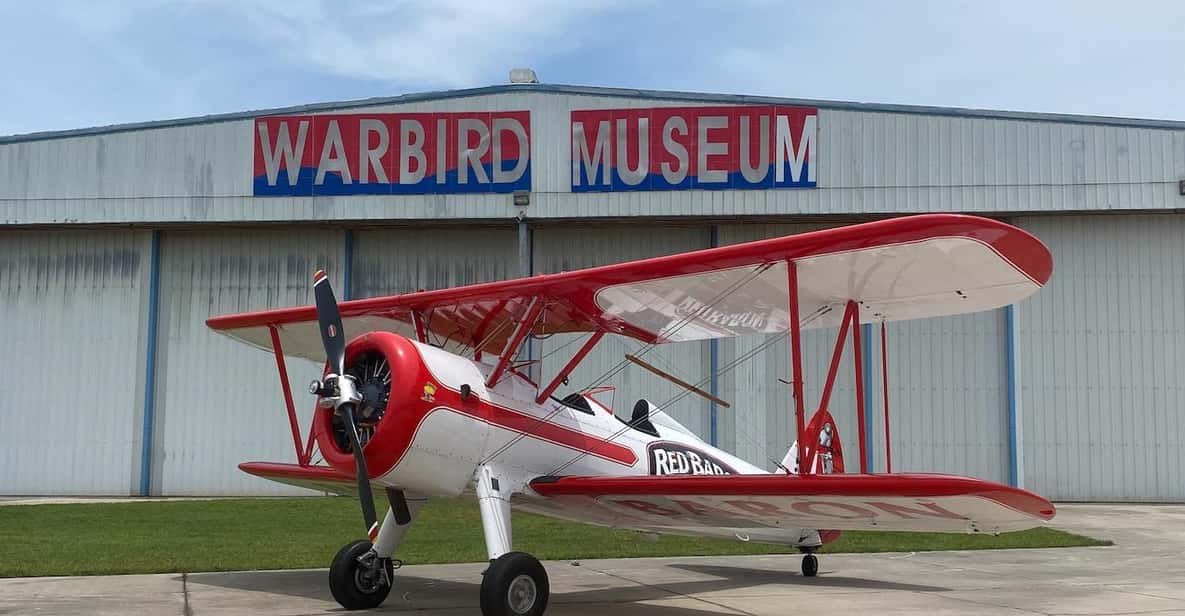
x=514, y=585
x=810, y=565
x=354, y=584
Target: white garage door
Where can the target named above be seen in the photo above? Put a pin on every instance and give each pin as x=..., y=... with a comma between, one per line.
x=218, y=401
x=73, y=363
x=1102, y=360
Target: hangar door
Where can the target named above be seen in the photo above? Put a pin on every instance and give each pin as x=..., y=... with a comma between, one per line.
x=1102, y=360
x=218, y=401
x=947, y=392
x=72, y=391
x=393, y=261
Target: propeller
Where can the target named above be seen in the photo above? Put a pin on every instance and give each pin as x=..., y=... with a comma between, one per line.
x=340, y=390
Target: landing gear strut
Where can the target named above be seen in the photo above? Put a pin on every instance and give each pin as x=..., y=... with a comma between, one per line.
x=515, y=583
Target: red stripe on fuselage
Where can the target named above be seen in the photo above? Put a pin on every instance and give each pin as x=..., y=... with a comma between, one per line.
x=537, y=428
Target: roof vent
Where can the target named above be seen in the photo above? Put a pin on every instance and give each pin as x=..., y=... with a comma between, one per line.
x=523, y=75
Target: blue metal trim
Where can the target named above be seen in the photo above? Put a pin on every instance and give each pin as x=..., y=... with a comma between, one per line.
x=658, y=95
x=713, y=361
x=1010, y=376
x=348, y=269
x=866, y=366
x=150, y=366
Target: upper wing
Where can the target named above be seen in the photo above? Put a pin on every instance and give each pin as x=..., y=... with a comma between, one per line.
x=903, y=268
x=939, y=503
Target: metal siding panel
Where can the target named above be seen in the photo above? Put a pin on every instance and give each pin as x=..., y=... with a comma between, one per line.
x=570, y=248
x=73, y=303
x=947, y=396
x=218, y=402
x=947, y=389
x=869, y=161
x=1102, y=348
x=393, y=261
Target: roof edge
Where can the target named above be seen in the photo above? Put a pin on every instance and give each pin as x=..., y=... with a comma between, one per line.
x=663, y=95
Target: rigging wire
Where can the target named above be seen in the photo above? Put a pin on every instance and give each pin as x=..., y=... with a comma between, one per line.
x=822, y=310
x=621, y=365
x=758, y=270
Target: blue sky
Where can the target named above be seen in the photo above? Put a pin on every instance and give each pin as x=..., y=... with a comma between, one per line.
x=76, y=64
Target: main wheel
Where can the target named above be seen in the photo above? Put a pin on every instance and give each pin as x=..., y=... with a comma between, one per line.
x=356, y=586
x=515, y=584
x=810, y=566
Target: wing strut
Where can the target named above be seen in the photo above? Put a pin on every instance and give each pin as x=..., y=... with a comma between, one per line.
x=417, y=321
x=857, y=358
x=851, y=320
x=885, y=381
x=534, y=309
x=570, y=366
x=796, y=357
x=282, y=367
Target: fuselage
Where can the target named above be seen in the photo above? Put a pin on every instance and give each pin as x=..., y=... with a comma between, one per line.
x=434, y=437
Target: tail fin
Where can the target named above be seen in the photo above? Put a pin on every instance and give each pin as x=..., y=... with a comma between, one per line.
x=823, y=453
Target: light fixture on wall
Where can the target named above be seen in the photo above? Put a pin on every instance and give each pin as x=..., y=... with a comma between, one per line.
x=522, y=197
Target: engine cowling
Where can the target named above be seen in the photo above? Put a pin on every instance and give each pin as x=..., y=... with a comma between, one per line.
x=388, y=369
x=412, y=419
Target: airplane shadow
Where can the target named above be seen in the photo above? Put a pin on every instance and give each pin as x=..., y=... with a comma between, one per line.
x=419, y=593
x=745, y=576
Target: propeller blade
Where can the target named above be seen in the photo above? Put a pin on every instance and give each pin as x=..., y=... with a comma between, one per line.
x=329, y=319
x=333, y=336
x=365, y=496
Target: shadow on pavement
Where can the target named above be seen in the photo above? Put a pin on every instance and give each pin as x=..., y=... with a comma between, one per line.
x=413, y=592
x=744, y=576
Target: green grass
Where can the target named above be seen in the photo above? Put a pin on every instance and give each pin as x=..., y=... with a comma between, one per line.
x=290, y=533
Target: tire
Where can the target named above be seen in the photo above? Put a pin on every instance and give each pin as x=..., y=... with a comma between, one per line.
x=810, y=566
x=515, y=584
x=348, y=580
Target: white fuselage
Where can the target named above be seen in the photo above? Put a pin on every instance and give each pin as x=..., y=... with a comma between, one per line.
x=524, y=441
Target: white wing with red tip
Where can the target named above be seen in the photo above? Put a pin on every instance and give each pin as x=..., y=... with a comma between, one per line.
x=902, y=268
x=901, y=502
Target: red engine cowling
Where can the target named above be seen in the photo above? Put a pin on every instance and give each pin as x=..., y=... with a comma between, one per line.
x=391, y=377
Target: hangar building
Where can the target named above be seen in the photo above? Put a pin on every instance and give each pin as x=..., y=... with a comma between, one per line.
x=116, y=243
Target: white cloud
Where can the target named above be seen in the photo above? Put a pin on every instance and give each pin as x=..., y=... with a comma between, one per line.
x=442, y=43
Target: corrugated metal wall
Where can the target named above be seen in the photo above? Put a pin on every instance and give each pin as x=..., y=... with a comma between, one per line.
x=1102, y=360
x=569, y=248
x=399, y=260
x=72, y=391
x=907, y=162
x=948, y=398
x=219, y=403
x=1100, y=352
x=948, y=395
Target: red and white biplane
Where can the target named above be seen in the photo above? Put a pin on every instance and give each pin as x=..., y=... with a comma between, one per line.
x=414, y=418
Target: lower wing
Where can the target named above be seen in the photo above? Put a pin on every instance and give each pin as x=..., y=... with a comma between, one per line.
x=319, y=478
x=900, y=502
